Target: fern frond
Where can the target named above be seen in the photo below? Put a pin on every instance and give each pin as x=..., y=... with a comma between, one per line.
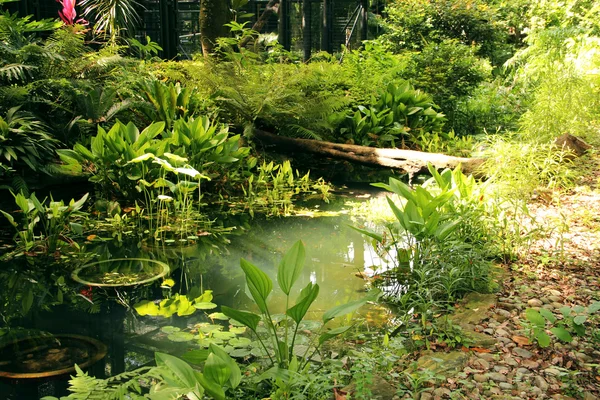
x=294, y=130
x=19, y=185
x=16, y=72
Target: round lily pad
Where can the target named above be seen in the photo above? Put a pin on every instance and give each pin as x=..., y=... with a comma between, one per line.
x=238, y=330
x=218, y=315
x=240, y=353
x=240, y=342
x=180, y=337
x=170, y=329
x=205, y=305
x=206, y=328
x=223, y=335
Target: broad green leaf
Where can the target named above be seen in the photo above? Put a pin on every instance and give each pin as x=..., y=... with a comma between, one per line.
x=223, y=335
x=216, y=369
x=146, y=307
x=370, y=234
x=212, y=388
x=182, y=371
x=290, y=267
x=562, y=334
x=535, y=318
x=352, y=306
x=542, y=338
x=332, y=333
x=259, y=284
x=308, y=296
x=548, y=315
x=236, y=375
x=594, y=307
x=249, y=319
x=580, y=319
x=196, y=356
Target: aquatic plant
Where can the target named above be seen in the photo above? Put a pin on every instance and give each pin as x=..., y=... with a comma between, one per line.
x=281, y=347
x=43, y=227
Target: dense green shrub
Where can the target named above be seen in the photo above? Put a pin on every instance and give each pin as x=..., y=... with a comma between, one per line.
x=414, y=24
x=397, y=114
x=449, y=71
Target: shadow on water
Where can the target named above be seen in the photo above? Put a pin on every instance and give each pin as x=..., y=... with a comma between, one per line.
x=335, y=256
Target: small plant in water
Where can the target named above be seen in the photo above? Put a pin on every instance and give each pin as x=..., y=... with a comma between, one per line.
x=280, y=350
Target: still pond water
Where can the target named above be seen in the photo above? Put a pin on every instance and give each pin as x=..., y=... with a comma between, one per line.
x=336, y=256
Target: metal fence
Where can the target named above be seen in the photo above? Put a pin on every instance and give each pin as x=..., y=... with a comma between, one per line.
x=300, y=25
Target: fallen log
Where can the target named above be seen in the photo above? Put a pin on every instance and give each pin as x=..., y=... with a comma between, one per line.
x=409, y=161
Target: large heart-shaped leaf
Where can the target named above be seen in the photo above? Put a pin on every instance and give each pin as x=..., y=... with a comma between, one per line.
x=307, y=297
x=259, y=284
x=249, y=319
x=291, y=267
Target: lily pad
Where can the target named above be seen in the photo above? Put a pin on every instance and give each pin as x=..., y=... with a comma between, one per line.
x=206, y=342
x=238, y=330
x=205, y=305
x=207, y=328
x=240, y=353
x=240, y=342
x=170, y=329
x=223, y=335
x=180, y=337
x=219, y=316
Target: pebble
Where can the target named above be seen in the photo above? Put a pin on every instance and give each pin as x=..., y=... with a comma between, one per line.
x=489, y=331
x=540, y=383
x=554, y=292
x=523, y=371
x=552, y=372
x=487, y=356
x=442, y=392
x=548, y=307
x=501, y=332
x=480, y=378
x=426, y=396
x=510, y=361
x=504, y=340
x=497, y=377
x=534, y=303
x=555, y=299
x=504, y=313
x=509, y=306
x=501, y=369
x=545, y=300
x=505, y=386
x=518, y=351
x=530, y=364
x=480, y=363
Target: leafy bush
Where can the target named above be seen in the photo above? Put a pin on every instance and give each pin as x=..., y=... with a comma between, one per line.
x=398, y=113
x=415, y=24
x=24, y=142
x=449, y=71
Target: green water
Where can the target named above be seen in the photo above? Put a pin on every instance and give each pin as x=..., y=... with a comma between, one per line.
x=336, y=257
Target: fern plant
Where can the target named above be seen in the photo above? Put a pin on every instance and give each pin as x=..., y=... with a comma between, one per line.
x=24, y=141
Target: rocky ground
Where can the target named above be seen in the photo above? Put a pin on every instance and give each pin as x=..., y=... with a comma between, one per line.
x=561, y=270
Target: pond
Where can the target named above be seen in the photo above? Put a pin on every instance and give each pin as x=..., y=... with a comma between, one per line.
x=337, y=259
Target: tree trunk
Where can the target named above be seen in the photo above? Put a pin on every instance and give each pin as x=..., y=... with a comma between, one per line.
x=405, y=160
x=214, y=14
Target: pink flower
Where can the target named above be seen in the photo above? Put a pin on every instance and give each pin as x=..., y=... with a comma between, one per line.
x=68, y=13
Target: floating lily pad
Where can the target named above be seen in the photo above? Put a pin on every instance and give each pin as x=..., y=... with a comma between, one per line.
x=180, y=337
x=240, y=342
x=207, y=328
x=233, y=322
x=218, y=315
x=238, y=330
x=223, y=335
x=240, y=353
x=258, y=352
x=205, y=305
x=170, y=329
